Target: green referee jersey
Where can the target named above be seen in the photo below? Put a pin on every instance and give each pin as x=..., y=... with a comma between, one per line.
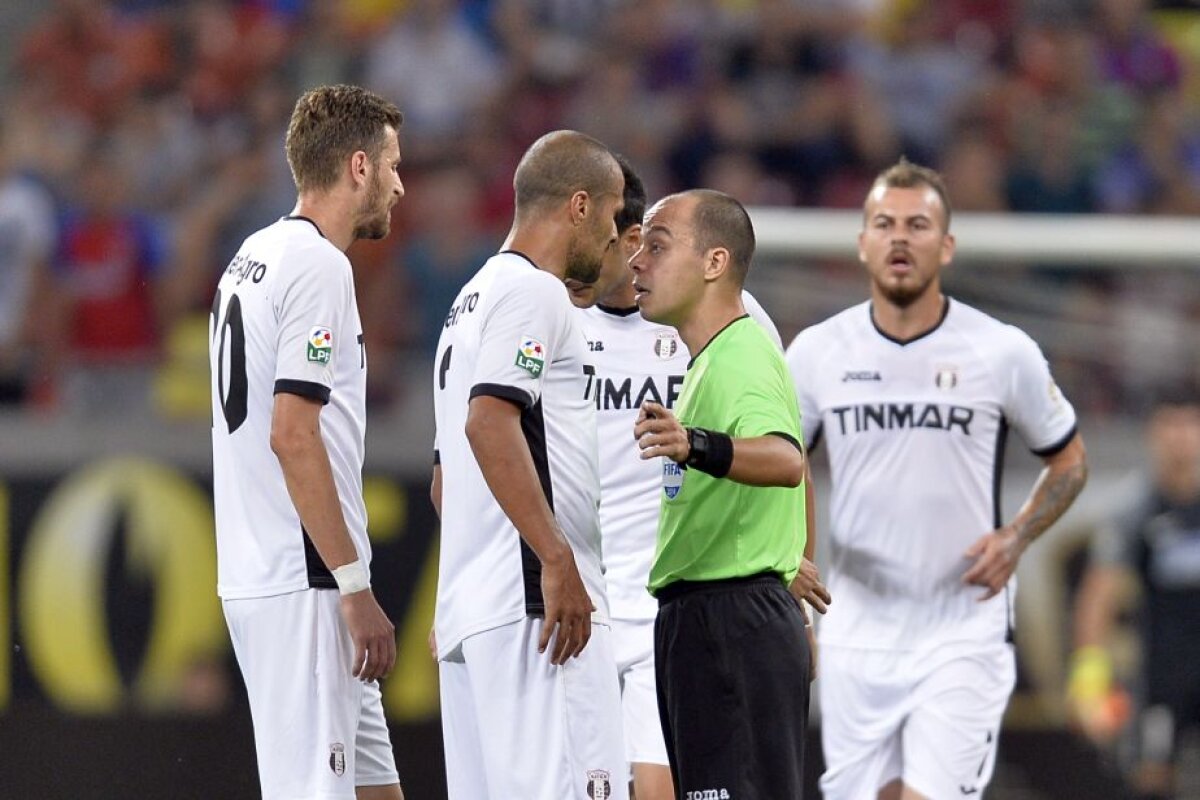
x=714, y=528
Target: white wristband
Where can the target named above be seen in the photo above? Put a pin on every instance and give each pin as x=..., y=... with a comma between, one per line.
x=352, y=577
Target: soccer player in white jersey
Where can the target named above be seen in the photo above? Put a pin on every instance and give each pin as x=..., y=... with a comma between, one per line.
x=288, y=392
x=516, y=484
x=914, y=393
x=634, y=360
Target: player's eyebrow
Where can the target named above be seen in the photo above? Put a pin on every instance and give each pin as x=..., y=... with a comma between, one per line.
x=658, y=227
x=887, y=215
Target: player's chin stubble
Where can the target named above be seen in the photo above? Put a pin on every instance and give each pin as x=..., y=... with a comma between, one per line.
x=582, y=267
x=903, y=295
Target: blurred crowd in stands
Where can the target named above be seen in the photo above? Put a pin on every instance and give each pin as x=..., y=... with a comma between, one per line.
x=141, y=140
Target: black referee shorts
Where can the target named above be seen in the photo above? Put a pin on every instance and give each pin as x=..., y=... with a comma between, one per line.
x=732, y=665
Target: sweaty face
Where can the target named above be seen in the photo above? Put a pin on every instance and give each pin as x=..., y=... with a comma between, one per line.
x=383, y=191
x=668, y=270
x=903, y=243
x=615, y=276
x=593, y=241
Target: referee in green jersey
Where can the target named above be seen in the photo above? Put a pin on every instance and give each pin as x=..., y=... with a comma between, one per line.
x=732, y=653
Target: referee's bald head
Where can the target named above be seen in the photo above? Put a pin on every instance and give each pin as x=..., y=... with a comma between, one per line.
x=560, y=164
x=720, y=220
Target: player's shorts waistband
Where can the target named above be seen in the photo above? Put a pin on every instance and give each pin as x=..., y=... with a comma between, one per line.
x=677, y=589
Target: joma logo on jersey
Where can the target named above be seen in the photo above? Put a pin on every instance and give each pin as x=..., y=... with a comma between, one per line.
x=320, y=345
x=531, y=356
x=608, y=395
x=892, y=416
x=861, y=375
x=707, y=794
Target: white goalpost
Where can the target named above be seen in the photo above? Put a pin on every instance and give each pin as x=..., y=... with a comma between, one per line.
x=1061, y=240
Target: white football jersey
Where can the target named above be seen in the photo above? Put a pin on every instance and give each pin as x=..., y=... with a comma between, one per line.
x=284, y=319
x=634, y=360
x=512, y=333
x=916, y=433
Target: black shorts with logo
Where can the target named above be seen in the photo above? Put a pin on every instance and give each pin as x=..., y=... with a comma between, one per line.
x=732, y=664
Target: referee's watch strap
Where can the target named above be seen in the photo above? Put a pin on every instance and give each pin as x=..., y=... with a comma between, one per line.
x=710, y=452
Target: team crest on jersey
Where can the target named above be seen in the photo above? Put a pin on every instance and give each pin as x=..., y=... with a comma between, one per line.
x=946, y=377
x=320, y=344
x=337, y=758
x=599, y=786
x=666, y=345
x=531, y=356
x=672, y=478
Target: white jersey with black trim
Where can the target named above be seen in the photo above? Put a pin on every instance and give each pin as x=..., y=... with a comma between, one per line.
x=512, y=333
x=916, y=434
x=284, y=319
x=634, y=360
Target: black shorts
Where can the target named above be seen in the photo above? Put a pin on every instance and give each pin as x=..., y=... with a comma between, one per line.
x=732, y=665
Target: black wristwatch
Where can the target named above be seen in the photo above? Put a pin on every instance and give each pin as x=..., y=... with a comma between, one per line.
x=709, y=451
x=697, y=447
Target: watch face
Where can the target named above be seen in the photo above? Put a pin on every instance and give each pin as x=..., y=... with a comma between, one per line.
x=697, y=445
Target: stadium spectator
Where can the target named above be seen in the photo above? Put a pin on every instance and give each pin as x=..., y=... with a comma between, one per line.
x=27, y=240
x=439, y=68
x=109, y=276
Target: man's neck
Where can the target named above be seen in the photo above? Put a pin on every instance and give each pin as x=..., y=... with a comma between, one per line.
x=545, y=245
x=708, y=320
x=904, y=323
x=621, y=299
x=334, y=222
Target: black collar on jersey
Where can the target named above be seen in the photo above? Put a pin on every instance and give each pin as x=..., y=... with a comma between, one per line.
x=309, y=221
x=522, y=255
x=911, y=339
x=692, y=360
x=618, y=312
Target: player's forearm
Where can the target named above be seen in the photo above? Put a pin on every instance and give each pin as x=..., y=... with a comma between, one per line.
x=1056, y=488
x=1096, y=606
x=766, y=461
x=309, y=478
x=503, y=456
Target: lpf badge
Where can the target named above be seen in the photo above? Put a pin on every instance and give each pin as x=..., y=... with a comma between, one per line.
x=337, y=758
x=672, y=478
x=666, y=345
x=598, y=786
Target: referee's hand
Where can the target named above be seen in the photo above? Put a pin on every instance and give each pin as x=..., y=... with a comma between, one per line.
x=659, y=433
x=373, y=635
x=568, y=609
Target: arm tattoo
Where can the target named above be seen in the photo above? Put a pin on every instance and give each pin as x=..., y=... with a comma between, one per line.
x=1050, y=499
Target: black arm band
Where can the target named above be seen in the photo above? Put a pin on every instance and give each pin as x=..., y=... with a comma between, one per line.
x=709, y=451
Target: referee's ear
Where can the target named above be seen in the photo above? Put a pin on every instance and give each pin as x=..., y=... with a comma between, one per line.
x=717, y=263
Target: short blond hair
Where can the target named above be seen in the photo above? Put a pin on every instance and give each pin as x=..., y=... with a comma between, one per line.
x=328, y=125
x=904, y=174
